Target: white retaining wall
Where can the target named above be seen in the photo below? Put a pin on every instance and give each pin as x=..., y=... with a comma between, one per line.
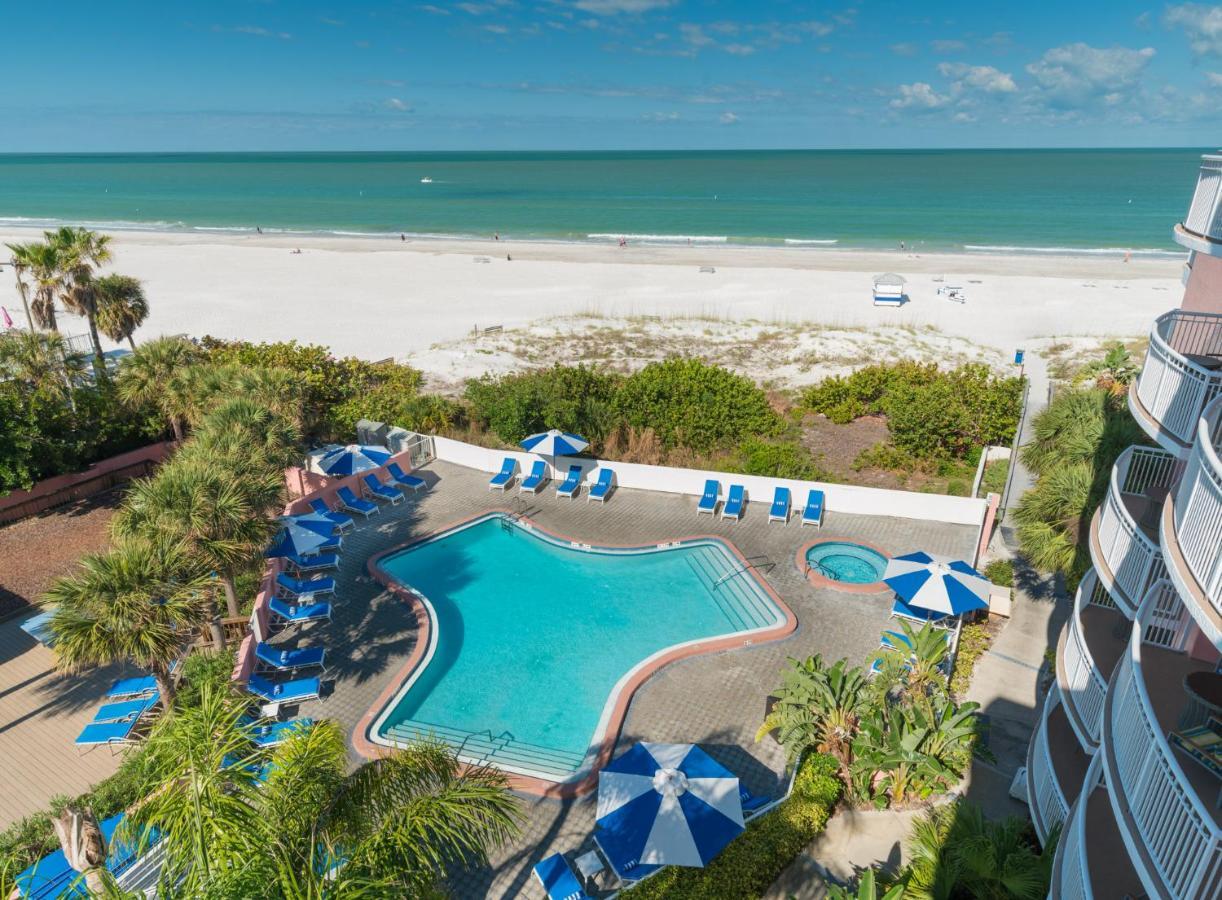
x=845, y=498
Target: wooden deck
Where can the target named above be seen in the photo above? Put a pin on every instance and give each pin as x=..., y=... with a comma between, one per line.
x=41, y=712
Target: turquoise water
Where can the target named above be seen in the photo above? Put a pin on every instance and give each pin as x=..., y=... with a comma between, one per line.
x=939, y=199
x=532, y=636
x=851, y=563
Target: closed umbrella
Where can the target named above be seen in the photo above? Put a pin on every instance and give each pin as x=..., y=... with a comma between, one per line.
x=352, y=459
x=937, y=583
x=666, y=804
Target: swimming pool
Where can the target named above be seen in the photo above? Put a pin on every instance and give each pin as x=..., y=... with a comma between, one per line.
x=534, y=638
x=846, y=562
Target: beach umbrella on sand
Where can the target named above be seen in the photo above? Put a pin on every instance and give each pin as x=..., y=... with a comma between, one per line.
x=555, y=443
x=300, y=537
x=937, y=583
x=666, y=804
x=352, y=459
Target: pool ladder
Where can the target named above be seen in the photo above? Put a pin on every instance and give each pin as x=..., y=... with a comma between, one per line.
x=766, y=562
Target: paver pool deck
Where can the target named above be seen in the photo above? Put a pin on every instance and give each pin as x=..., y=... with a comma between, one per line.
x=716, y=700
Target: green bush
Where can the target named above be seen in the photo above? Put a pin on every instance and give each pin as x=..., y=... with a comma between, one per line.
x=1000, y=572
x=571, y=398
x=776, y=459
x=753, y=860
x=885, y=456
x=995, y=476
x=974, y=640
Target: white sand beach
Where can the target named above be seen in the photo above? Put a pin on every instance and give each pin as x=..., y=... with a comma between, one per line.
x=421, y=300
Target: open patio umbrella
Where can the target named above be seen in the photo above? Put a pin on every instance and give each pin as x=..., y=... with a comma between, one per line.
x=299, y=537
x=666, y=804
x=937, y=583
x=555, y=443
x=353, y=458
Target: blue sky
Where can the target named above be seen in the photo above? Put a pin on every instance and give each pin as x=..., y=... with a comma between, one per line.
x=593, y=74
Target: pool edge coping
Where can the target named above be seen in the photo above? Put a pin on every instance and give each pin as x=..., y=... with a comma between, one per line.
x=844, y=587
x=623, y=692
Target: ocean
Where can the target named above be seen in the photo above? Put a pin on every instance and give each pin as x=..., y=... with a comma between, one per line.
x=1036, y=201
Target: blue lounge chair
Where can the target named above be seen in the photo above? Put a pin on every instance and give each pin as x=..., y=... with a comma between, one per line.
x=901, y=610
x=275, y=733
x=304, y=588
x=353, y=503
x=571, y=482
x=342, y=522
x=602, y=487
x=708, y=500
x=379, y=491
x=752, y=803
x=125, y=709
x=559, y=880
x=295, y=613
x=132, y=687
x=402, y=479
x=97, y=733
x=314, y=563
x=737, y=499
x=813, y=513
x=286, y=691
x=622, y=861
x=780, y=505
x=289, y=658
x=536, y=479
x=504, y=478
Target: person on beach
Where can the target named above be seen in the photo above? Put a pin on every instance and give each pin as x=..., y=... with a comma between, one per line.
x=402, y=237
x=496, y=235
x=258, y=230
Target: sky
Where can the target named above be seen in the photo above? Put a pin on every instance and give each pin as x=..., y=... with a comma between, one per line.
x=607, y=74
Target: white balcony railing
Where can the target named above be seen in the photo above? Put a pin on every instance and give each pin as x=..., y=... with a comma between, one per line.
x=1204, y=217
x=1198, y=507
x=1049, y=805
x=1083, y=686
x=1180, y=377
x=1129, y=554
x=1182, y=842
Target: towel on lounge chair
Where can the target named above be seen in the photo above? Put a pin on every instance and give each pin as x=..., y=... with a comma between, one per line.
x=402, y=479
x=353, y=503
x=780, y=506
x=737, y=499
x=813, y=513
x=296, y=613
x=571, y=481
x=380, y=491
x=504, y=478
x=342, y=522
x=536, y=479
x=708, y=500
x=285, y=691
x=602, y=487
x=288, y=658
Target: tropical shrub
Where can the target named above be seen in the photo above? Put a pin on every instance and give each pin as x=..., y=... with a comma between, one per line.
x=776, y=459
x=572, y=398
x=749, y=865
x=974, y=639
x=1087, y=426
x=1000, y=572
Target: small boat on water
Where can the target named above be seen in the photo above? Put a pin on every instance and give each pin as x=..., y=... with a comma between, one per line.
x=426, y=180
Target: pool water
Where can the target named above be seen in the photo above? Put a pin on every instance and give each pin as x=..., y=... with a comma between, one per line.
x=847, y=562
x=532, y=635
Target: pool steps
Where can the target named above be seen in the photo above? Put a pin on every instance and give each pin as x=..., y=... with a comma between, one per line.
x=483, y=747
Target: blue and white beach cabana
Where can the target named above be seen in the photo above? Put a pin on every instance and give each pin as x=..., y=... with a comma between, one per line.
x=889, y=289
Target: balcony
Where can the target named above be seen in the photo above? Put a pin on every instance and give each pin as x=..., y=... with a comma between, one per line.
x=1091, y=643
x=1056, y=766
x=1201, y=229
x=1192, y=528
x=1165, y=803
x=1124, y=530
x=1182, y=374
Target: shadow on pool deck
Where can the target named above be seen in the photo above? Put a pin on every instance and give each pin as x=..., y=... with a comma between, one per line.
x=716, y=700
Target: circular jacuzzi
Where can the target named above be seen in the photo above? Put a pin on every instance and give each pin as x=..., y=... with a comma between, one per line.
x=843, y=565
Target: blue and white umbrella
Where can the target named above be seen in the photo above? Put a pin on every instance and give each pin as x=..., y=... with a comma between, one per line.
x=353, y=458
x=555, y=443
x=666, y=804
x=300, y=537
x=937, y=583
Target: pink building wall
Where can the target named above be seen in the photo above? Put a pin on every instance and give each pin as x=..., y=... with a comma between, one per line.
x=1203, y=293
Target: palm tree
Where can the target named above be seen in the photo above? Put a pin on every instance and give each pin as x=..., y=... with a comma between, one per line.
x=916, y=662
x=120, y=307
x=41, y=361
x=1054, y=516
x=80, y=252
x=217, y=516
x=246, y=433
x=42, y=261
x=129, y=603
x=236, y=821
x=20, y=262
x=208, y=386
x=819, y=706
x=154, y=374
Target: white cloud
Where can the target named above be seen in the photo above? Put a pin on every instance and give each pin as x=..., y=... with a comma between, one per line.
x=963, y=117
x=1213, y=79
x=905, y=48
x=947, y=46
x=728, y=118
x=1202, y=24
x=435, y=10
x=983, y=78
x=256, y=31
x=617, y=7
x=694, y=35
x=496, y=29
x=1078, y=74
x=397, y=105
x=739, y=49
x=660, y=118
x=919, y=95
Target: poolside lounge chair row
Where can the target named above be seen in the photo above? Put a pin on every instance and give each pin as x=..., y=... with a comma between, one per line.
x=116, y=722
x=599, y=487
x=736, y=502
x=375, y=490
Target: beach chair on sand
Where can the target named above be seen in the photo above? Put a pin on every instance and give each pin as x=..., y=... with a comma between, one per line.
x=571, y=482
x=381, y=492
x=737, y=499
x=353, y=503
x=558, y=879
x=812, y=514
x=536, y=479
x=780, y=505
x=602, y=487
x=504, y=478
x=402, y=479
x=341, y=521
x=708, y=500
